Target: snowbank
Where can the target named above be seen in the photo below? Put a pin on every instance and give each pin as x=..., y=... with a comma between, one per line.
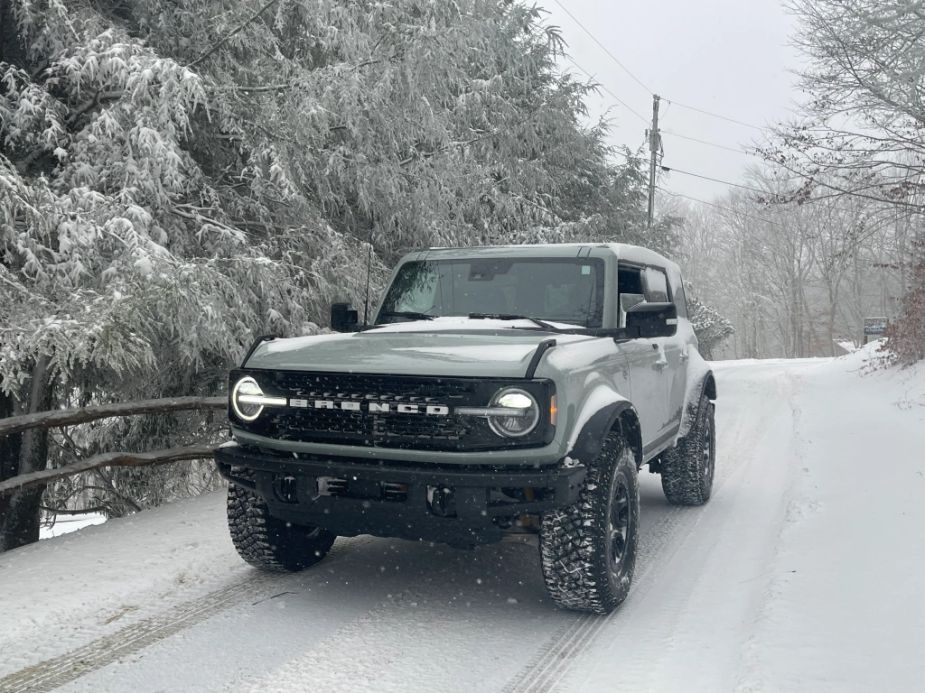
x=845, y=608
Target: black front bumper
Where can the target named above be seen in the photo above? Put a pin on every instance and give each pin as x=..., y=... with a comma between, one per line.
x=452, y=504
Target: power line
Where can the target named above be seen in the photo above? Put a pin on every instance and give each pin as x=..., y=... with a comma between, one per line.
x=642, y=84
x=610, y=93
x=720, y=207
x=668, y=169
x=641, y=117
x=623, y=103
x=645, y=120
x=603, y=47
x=716, y=115
x=808, y=200
x=744, y=152
x=717, y=145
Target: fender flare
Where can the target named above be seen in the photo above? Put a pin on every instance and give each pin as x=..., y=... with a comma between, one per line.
x=700, y=377
x=709, y=385
x=705, y=384
x=590, y=439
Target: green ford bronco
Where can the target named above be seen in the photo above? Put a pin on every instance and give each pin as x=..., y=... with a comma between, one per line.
x=499, y=392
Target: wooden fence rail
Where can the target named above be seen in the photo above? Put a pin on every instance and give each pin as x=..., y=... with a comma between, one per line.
x=70, y=417
x=108, y=459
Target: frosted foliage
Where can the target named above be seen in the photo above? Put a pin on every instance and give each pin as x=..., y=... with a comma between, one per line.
x=177, y=178
x=859, y=136
x=711, y=327
x=906, y=335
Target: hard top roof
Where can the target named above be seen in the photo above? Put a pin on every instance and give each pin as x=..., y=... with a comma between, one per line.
x=623, y=251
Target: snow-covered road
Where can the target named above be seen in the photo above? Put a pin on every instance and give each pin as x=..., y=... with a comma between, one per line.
x=803, y=572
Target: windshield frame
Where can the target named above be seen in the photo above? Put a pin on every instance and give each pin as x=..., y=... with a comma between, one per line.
x=594, y=321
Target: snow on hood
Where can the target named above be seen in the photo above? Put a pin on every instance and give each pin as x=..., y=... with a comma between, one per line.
x=444, y=346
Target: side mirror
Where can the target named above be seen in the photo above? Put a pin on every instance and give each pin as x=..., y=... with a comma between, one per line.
x=343, y=318
x=652, y=319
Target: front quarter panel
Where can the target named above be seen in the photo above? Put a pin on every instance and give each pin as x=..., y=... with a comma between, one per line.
x=593, y=388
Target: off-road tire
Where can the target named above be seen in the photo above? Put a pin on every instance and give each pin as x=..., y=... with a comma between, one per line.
x=577, y=543
x=687, y=470
x=268, y=543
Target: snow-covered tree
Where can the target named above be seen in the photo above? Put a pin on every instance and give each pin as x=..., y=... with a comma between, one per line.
x=176, y=178
x=862, y=132
x=906, y=335
x=794, y=276
x=711, y=327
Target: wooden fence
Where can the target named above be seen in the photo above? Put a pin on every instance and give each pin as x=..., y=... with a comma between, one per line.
x=71, y=417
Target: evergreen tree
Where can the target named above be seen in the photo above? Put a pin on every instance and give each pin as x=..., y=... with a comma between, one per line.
x=176, y=178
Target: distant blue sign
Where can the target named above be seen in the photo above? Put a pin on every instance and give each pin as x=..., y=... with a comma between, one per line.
x=874, y=327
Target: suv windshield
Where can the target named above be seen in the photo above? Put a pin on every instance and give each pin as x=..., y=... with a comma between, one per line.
x=565, y=290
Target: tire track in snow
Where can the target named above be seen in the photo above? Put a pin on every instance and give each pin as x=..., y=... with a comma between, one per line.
x=58, y=671
x=428, y=633
x=552, y=662
x=725, y=553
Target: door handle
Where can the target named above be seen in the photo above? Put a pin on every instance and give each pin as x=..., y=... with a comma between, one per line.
x=662, y=359
x=685, y=355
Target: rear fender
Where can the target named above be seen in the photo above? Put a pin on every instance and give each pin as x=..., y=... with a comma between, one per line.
x=700, y=380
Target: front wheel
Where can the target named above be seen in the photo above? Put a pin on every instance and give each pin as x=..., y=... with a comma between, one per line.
x=268, y=543
x=588, y=549
x=687, y=469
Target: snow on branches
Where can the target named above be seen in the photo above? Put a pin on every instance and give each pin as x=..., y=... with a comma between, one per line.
x=711, y=327
x=178, y=177
x=161, y=158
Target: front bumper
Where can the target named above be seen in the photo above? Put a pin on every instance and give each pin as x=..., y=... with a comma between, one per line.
x=455, y=505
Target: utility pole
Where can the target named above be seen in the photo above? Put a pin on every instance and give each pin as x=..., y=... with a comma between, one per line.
x=655, y=144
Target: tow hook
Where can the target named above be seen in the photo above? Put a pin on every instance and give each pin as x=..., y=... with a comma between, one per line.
x=442, y=501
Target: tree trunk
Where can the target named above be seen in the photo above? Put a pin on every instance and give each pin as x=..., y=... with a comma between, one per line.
x=10, y=43
x=9, y=466
x=20, y=511
x=16, y=510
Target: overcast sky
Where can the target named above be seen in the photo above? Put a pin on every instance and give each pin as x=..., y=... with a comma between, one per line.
x=731, y=57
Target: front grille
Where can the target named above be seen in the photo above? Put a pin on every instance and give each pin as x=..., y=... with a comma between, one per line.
x=369, y=429
x=397, y=430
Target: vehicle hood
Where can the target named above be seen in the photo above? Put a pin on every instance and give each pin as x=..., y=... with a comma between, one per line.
x=442, y=347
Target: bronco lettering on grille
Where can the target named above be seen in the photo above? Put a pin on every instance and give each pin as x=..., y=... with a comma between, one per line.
x=371, y=407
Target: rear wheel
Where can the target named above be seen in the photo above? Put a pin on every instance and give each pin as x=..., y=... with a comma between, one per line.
x=588, y=549
x=687, y=469
x=268, y=543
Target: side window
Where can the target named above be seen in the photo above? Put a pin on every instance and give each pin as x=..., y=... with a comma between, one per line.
x=655, y=285
x=629, y=287
x=680, y=299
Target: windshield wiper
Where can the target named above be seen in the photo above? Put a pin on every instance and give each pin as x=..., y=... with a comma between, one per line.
x=507, y=316
x=410, y=314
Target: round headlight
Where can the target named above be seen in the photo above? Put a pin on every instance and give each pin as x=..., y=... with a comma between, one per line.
x=246, y=399
x=523, y=417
